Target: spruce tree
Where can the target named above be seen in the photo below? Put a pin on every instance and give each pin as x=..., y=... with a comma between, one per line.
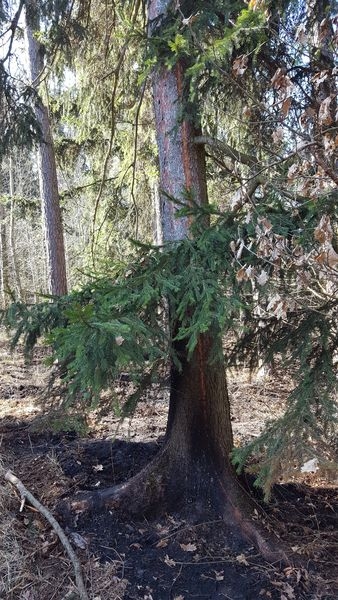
x=265, y=252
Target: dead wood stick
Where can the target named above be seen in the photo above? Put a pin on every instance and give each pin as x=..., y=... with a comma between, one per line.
x=9, y=476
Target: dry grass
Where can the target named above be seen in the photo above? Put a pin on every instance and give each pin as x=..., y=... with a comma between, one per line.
x=12, y=560
x=33, y=565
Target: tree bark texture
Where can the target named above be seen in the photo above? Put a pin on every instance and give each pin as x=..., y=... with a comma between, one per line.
x=199, y=416
x=50, y=202
x=182, y=166
x=181, y=161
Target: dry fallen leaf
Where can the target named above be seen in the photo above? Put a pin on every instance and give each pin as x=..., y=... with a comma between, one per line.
x=174, y=521
x=240, y=65
x=262, y=278
x=278, y=135
x=286, y=106
x=311, y=466
x=324, y=113
x=329, y=257
x=188, y=547
x=242, y=560
x=301, y=34
x=265, y=224
x=241, y=275
x=323, y=232
x=169, y=561
x=98, y=468
x=280, y=81
x=162, y=543
x=135, y=545
x=246, y=112
x=78, y=540
x=319, y=78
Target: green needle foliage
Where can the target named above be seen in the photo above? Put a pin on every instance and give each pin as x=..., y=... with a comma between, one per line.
x=263, y=276
x=118, y=322
x=121, y=322
x=307, y=345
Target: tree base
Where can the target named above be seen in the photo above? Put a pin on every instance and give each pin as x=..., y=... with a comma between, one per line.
x=163, y=486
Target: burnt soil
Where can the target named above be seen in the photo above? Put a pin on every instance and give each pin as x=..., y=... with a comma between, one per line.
x=188, y=554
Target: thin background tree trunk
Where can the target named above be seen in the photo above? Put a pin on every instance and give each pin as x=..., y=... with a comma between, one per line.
x=4, y=267
x=11, y=240
x=50, y=203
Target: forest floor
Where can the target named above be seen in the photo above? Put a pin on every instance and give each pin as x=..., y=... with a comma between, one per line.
x=180, y=556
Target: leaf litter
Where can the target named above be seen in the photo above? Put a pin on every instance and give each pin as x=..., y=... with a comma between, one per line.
x=185, y=555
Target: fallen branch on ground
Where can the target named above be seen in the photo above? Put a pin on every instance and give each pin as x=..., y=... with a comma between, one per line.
x=25, y=494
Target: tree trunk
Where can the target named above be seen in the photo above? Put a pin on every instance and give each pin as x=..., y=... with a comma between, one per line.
x=199, y=430
x=194, y=464
x=4, y=267
x=51, y=212
x=12, y=249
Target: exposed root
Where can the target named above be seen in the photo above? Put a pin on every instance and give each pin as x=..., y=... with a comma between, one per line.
x=269, y=549
x=146, y=493
x=236, y=509
x=162, y=486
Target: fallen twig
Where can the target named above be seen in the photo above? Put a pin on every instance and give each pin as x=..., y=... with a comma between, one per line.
x=25, y=494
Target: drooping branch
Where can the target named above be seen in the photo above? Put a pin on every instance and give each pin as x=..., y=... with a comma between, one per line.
x=245, y=193
x=13, y=27
x=229, y=151
x=70, y=191
x=286, y=157
x=117, y=69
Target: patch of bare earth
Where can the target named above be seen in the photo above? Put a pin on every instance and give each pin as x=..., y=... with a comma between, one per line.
x=177, y=556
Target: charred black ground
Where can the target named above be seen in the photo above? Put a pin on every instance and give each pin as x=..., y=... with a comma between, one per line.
x=183, y=555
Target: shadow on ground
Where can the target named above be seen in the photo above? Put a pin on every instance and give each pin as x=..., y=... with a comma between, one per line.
x=184, y=555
